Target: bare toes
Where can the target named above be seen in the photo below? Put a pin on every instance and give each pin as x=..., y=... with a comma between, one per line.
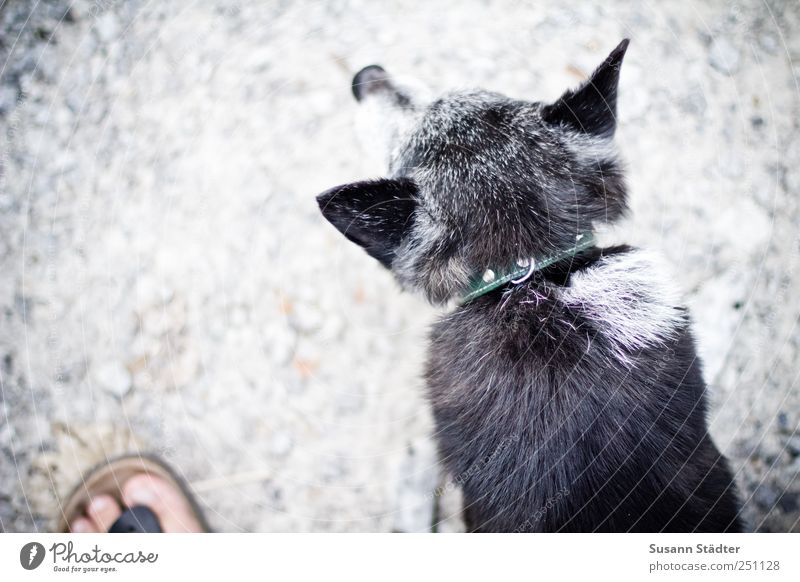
x=82, y=525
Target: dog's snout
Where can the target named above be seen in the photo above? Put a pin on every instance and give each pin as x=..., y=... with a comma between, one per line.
x=370, y=80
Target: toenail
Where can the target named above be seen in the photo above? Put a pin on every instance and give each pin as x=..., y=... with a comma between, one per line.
x=141, y=494
x=100, y=503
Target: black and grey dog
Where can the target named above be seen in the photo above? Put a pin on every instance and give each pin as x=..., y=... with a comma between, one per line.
x=565, y=385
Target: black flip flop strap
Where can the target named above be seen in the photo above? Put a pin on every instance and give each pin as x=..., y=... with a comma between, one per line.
x=137, y=519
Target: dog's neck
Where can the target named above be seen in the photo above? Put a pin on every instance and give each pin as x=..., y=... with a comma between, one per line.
x=522, y=270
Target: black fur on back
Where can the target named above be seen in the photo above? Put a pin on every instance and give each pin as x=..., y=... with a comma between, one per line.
x=550, y=434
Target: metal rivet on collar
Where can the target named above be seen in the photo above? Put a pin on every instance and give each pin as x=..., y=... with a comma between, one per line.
x=488, y=276
x=523, y=263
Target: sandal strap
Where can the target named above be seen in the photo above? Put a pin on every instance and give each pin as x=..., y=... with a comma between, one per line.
x=137, y=519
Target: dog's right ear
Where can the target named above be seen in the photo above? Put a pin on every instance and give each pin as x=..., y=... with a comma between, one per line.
x=374, y=214
x=592, y=107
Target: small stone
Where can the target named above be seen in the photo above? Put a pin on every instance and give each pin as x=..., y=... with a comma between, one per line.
x=352, y=399
x=281, y=444
x=723, y=56
x=114, y=378
x=6, y=435
x=8, y=99
x=694, y=102
x=306, y=319
x=334, y=469
x=238, y=317
x=149, y=291
x=788, y=502
x=278, y=344
x=196, y=406
x=768, y=42
x=783, y=421
x=107, y=27
x=183, y=368
x=730, y=164
x=333, y=326
x=793, y=445
x=765, y=496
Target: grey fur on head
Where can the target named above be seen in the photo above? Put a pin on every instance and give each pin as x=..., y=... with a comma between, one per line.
x=492, y=178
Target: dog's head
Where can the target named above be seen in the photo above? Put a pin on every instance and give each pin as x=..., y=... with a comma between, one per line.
x=476, y=179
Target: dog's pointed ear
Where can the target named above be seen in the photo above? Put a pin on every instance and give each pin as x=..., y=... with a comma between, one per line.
x=592, y=107
x=374, y=214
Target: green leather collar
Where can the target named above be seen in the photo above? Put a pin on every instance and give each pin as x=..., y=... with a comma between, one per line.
x=491, y=279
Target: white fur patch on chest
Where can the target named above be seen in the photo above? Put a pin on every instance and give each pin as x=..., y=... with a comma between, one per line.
x=631, y=298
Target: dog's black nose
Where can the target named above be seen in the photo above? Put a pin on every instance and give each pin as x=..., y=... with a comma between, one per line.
x=369, y=80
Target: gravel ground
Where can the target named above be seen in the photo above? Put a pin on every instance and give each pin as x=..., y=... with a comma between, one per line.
x=169, y=286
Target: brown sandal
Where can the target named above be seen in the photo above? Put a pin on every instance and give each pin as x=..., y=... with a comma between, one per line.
x=108, y=478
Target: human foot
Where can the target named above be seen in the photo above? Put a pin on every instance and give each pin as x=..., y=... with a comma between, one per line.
x=132, y=494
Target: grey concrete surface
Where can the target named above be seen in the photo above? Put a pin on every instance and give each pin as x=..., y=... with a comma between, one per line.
x=168, y=285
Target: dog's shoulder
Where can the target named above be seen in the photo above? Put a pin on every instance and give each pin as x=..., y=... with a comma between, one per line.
x=631, y=297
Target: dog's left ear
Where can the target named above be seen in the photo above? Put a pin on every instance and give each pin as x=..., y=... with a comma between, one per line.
x=374, y=214
x=592, y=107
